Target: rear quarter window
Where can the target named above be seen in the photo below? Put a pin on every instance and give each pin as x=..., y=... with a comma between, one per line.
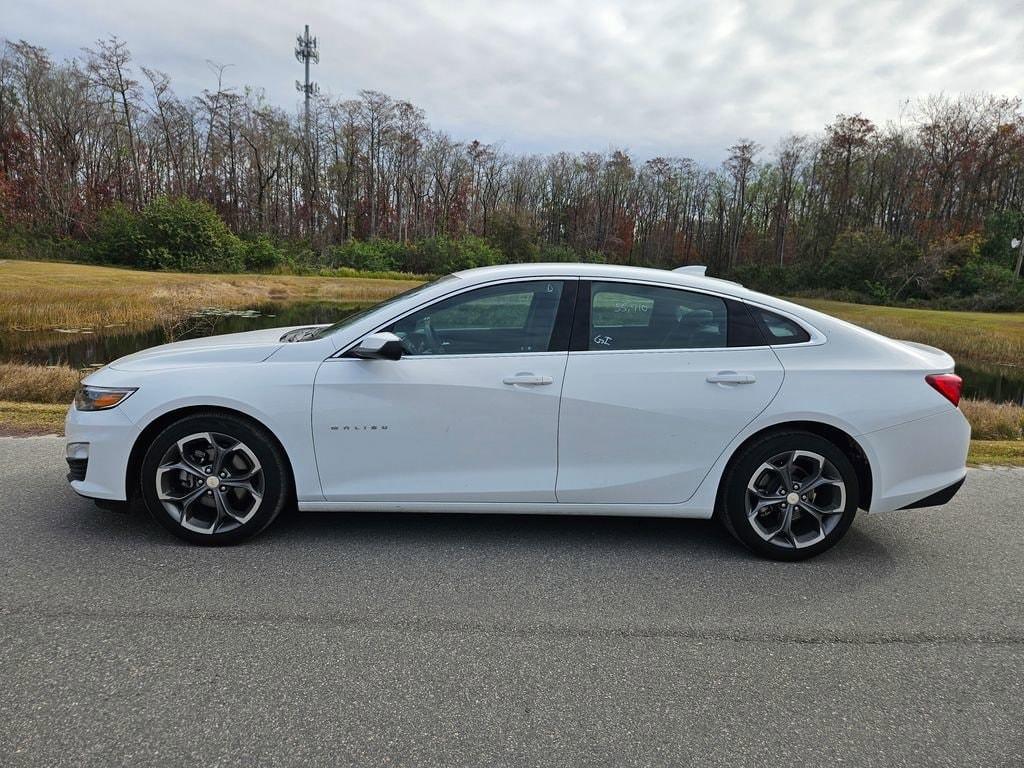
x=780, y=330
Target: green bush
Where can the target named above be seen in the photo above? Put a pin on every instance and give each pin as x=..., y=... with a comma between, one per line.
x=978, y=276
x=869, y=267
x=798, y=277
x=512, y=237
x=871, y=262
x=1000, y=230
x=117, y=238
x=263, y=255
x=189, y=236
x=18, y=242
x=957, y=267
x=369, y=255
x=169, y=233
x=299, y=254
x=548, y=254
x=441, y=255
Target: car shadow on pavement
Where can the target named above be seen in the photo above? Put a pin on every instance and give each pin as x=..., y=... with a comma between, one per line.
x=645, y=536
x=488, y=528
x=699, y=539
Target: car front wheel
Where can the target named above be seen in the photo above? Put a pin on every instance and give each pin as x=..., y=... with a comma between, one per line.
x=214, y=479
x=790, y=496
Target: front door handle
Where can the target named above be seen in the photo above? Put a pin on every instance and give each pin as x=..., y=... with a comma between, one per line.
x=731, y=377
x=528, y=379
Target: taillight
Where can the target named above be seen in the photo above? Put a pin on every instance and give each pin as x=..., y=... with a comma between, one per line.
x=949, y=385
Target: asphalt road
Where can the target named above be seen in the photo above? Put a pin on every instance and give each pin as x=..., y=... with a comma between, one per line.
x=506, y=641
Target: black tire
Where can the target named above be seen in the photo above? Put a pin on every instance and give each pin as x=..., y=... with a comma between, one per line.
x=258, y=461
x=802, y=540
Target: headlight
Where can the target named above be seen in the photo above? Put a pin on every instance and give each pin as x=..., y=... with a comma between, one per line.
x=100, y=398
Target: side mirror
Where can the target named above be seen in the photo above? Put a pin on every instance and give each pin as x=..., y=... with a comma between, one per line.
x=379, y=346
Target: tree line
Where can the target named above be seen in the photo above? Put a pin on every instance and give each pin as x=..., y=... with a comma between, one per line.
x=918, y=207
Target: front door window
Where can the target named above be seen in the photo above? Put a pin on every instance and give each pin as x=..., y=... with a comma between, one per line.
x=511, y=318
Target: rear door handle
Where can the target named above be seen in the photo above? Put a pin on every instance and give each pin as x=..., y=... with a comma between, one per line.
x=528, y=379
x=731, y=377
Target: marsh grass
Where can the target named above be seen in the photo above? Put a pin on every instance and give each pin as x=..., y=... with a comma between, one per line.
x=974, y=337
x=49, y=297
x=994, y=421
x=38, y=383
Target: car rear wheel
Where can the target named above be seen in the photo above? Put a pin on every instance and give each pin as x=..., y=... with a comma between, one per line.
x=790, y=496
x=214, y=479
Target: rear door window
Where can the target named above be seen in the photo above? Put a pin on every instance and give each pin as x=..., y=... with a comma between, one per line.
x=628, y=316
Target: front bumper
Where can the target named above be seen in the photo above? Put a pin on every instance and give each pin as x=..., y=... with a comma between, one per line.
x=77, y=469
x=110, y=436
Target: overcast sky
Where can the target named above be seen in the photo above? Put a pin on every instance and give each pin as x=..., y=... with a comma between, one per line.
x=654, y=76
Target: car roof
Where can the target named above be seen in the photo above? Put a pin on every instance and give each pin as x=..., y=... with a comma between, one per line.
x=687, y=279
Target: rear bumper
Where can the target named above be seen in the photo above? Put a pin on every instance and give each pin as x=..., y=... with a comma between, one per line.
x=918, y=460
x=938, y=498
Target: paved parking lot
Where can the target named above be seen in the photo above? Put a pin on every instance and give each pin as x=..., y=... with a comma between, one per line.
x=505, y=640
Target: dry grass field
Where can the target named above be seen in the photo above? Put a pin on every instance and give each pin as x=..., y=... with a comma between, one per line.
x=994, y=421
x=976, y=337
x=22, y=383
x=38, y=296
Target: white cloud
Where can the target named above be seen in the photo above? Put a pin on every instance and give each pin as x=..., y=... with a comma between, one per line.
x=657, y=76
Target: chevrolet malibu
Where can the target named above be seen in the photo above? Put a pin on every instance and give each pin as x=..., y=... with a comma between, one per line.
x=553, y=389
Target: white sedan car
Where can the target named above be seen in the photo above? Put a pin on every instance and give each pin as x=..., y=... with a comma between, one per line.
x=554, y=389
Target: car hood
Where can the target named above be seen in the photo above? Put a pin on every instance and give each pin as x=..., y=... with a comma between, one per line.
x=246, y=347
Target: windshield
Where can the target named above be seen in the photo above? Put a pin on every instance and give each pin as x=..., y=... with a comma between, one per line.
x=347, y=321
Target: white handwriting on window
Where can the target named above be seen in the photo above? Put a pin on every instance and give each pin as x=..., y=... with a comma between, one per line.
x=631, y=307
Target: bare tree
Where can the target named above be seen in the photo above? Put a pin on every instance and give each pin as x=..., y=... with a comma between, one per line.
x=108, y=68
x=739, y=165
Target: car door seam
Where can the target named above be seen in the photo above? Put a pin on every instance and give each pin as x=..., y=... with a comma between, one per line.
x=742, y=429
x=561, y=389
x=312, y=430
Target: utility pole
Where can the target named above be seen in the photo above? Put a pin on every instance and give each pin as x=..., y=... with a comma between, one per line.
x=306, y=50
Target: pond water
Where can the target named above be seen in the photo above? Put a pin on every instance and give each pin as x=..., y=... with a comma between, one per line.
x=1001, y=383
x=90, y=349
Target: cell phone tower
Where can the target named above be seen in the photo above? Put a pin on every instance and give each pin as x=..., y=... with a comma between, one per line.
x=306, y=50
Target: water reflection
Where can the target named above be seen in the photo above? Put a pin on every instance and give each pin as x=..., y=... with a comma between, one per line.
x=1001, y=383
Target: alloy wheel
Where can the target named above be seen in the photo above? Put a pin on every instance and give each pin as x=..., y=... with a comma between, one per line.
x=210, y=482
x=795, y=499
